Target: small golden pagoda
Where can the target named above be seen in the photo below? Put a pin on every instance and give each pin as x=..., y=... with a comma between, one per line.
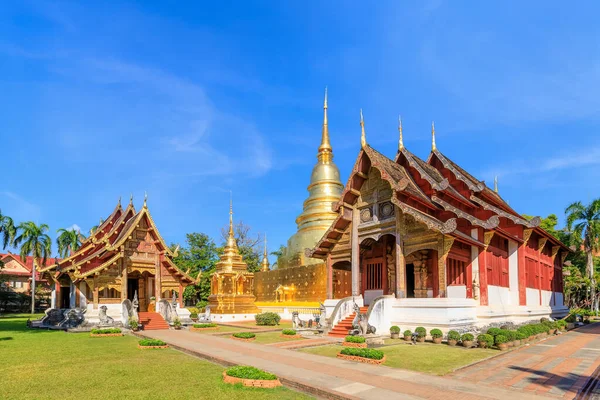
x=324, y=189
x=265, y=261
x=232, y=285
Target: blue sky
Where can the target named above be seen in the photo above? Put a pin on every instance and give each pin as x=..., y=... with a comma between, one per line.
x=189, y=101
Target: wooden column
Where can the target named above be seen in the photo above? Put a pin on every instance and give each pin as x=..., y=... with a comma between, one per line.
x=483, y=263
x=58, y=295
x=180, y=295
x=96, y=297
x=158, y=279
x=329, y=267
x=446, y=245
x=522, y=269
x=124, y=277
x=355, y=253
x=384, y=267
x=77, y=295
x=400, y=260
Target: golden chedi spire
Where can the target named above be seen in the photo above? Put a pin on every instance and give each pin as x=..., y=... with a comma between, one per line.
x=324, y=189
x=400, y=138
x=265, y=260
x=363, y=136
x=433, y=146
x=231, y=259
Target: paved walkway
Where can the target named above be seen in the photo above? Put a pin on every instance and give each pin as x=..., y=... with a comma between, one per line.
x=558, y=367
x=333, y=378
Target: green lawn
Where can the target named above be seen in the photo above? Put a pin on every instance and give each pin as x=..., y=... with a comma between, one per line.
x=436, y=359
x=57, y=365
x=272, y=337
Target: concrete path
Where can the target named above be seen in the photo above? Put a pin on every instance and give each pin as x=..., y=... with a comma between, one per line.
x=330, y=377
x=559, y=366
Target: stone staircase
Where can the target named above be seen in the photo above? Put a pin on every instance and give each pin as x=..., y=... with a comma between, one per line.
x=152, y=321
x=342, y=328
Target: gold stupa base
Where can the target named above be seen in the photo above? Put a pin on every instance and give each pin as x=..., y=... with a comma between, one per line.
x=232, y=304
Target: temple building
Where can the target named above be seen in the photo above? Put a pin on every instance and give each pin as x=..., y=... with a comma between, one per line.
x=324, y=189
x=125, y=256
x=426, y=243
x=232, y=285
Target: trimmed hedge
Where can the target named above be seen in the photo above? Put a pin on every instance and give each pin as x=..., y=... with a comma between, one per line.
x=245, y=372
x=267, y=318
x=289, y=332
x=244, y=335
x=421, y=332
x=436, y=333
x=395, y=329
x=486, y=338
x=105, y=331
x=354, y=339
x=151, y=342
x=521, y=336
x=494, y=331
x=372, y=354
x=454, y=335
x=499, y=339
x=408, y=332
x=467, y=337
x=210, y=325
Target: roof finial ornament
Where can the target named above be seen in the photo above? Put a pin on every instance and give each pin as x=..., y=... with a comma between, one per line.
x=433, y=146
x=265, y=260
x=119, y=201
x=496, y=184
x=131, y=198
x=145, y=199
x=231, y=236
x=325, y=146
x=363, y=136
x=400, y=139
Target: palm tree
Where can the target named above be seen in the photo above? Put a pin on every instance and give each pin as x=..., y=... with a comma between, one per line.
x=68, y=240
x=34, y=241
x=7, y=230
x=584, y=222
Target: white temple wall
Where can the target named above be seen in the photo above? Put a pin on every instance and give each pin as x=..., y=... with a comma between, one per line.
x=513, y=272
x=532, y=297
x=498, y=296
x=547, y=298
x=457, y=291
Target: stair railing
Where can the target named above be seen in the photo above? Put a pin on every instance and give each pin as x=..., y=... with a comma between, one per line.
x=379, y=312
x=342, y=309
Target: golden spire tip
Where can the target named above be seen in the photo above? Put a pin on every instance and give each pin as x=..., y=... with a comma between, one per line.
x=325, y=146
x=131, y=198
x=363, y=136
x=400, y=139
x=145, y=199
x=433, y=146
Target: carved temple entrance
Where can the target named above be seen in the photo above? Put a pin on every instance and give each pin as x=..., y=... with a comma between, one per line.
x=377, y=267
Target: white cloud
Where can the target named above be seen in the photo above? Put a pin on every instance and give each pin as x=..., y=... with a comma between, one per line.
x=74, y=227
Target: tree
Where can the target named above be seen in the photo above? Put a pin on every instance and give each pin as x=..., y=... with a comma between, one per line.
x=7, y=230
x=248, y=244
x=68, y=240
x=34, y=241
x=198, y=257
x=583, y=221
x=279, y=253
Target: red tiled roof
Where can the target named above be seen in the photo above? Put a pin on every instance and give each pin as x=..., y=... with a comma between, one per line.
x=28, y=264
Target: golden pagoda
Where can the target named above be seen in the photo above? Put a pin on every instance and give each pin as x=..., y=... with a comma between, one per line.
x=232, y=285
x=265, y=261
x=324, y=189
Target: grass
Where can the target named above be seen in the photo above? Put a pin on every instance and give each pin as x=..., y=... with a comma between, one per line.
x=39, y=364
x=272, y=337
x=435, y=359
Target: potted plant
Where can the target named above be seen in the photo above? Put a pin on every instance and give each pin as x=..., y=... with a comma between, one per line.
x=133, y=324
x=467, y=340
x=521, y=338
x=395, y=332
x=408, y=335
x=512, y=338
x=500, y=341
x=421, y=334
x=194, y=316
x=453, y=338
x=177, y=323
x=485, y=340
x=436, y=335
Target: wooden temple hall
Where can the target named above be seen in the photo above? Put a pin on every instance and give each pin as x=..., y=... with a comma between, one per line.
x=125, y=255
x=428, y=229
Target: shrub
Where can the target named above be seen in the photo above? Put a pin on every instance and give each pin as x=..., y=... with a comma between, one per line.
x=454, y=335
x=372, y=354
x=354, y=339
x=106, y=331
x=211, y=325
x=133, y=323
x=494, y=331
x=395, y=329
x=177, y=322
x=499, y=339
x=201, y=305
x=151, y=342
x=561, y=323
x=244, y=335
x=467, y=337
x=267, y=318
x=421, y=332
x=193, y=315
x=436, y=333
x=408, y=332
x=521, y=336
x=525, y=330
x=510, y=335
x=486, y=338
x=289, y=332
x=570, y=318
x=244, y=372
x=193, y=310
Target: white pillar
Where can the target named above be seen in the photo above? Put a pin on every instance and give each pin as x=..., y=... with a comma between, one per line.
x=53, y=296
x=72, y=294
x=513, y=273
x=82, y=292
x=475, y=267
x=355, y=253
